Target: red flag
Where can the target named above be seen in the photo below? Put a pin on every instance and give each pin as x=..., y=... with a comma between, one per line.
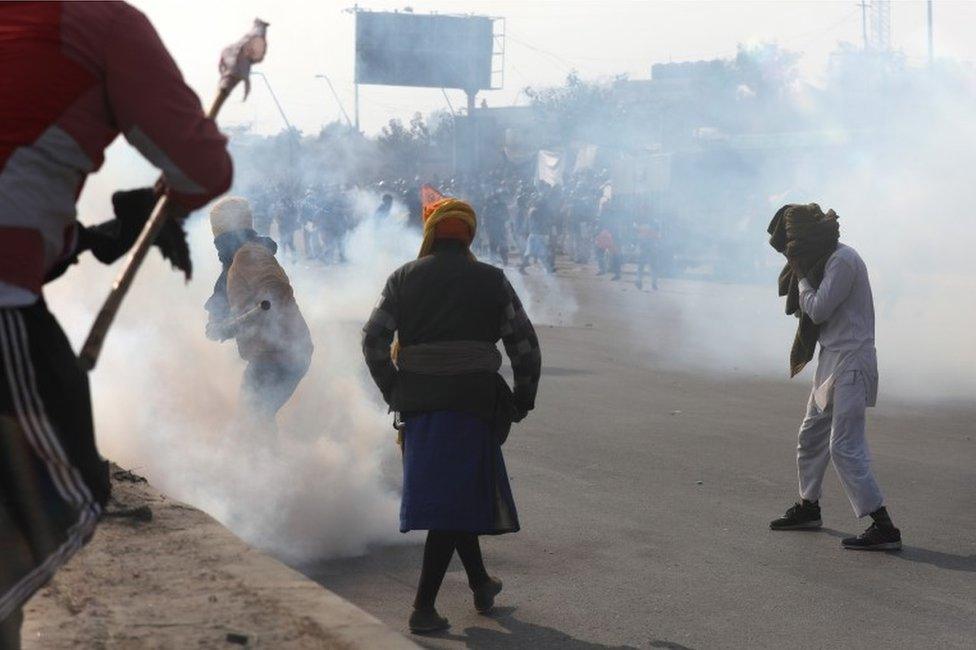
x=429, y=195
x=236, y=59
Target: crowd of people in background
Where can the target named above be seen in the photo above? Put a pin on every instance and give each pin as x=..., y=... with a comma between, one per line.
x=523, y=222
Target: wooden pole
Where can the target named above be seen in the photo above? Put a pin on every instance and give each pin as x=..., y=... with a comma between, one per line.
x=92, y=348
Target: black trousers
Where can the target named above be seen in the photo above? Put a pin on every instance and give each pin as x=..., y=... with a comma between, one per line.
x=438, y=552
x=53, y=483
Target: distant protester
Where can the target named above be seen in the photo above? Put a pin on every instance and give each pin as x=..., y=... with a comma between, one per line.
x=648, y=237
x=386, y=205
x=827, y=287
x=447, y=312
x=253, y=302
x=537, y=244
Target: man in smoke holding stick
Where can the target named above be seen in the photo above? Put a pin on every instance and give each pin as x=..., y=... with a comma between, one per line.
x=827, y=287
x=75, y=75
x=253, y=302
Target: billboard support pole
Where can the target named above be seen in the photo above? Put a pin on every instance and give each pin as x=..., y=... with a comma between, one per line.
x=356, y=109
x=472, y=163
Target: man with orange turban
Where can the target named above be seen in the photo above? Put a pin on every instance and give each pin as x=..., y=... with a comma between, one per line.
x=448, y=312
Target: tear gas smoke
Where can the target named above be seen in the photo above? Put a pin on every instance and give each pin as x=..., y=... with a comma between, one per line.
x=898, y=177
x=165, y=397
x=326, y=484
x=166, y=400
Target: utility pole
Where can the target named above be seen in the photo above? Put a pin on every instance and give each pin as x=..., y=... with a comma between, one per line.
x=354, y=10
x=472, y=131
x=336, y=95
x=864, y=23
x=356, y=106
x=454, y=133
x=931, y=44
x=881, y=25
x=274, y=97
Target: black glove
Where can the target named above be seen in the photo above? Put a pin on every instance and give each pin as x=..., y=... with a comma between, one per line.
x=132, y=210
x=111, y=240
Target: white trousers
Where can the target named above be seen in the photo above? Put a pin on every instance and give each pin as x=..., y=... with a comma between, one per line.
x=837, y=433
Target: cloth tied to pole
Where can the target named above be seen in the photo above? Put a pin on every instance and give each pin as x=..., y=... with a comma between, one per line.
x=236, y=59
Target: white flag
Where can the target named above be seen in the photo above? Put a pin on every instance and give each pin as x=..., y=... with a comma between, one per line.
x=236, y=59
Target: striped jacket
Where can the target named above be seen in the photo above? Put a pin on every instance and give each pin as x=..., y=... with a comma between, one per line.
x=75, y=75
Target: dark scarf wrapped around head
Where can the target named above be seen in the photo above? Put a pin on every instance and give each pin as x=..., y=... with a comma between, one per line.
x=227, y=245
x=807, y=237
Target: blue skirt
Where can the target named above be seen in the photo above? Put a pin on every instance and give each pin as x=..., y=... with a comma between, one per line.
x=454, y=476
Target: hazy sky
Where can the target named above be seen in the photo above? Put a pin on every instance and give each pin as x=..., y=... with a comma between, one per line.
x=545, y=40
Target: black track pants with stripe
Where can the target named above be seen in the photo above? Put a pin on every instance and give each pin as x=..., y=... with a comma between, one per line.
x=53, y=483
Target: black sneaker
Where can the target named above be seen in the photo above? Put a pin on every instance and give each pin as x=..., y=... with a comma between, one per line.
x=875, y=538
x=484, y=596
x=801, y=516
x=424, y=621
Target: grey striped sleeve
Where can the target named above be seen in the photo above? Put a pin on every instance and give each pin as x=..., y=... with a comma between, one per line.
x=522, y=347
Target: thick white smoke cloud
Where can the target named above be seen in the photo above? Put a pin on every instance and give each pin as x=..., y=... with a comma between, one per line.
x=165, y=397
x=326, y=484
x=902, y=190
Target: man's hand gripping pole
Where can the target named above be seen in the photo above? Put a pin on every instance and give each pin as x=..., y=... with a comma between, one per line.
x=235, y=66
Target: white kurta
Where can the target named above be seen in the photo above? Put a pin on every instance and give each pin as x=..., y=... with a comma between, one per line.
x=844, y=309
x=845, y=383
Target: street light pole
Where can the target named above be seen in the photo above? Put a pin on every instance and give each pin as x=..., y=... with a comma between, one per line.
x=274, y=97
x=336, y=95
x=931, y=44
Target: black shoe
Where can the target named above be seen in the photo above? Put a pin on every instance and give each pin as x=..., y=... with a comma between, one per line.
x=803, y=515
x=484, y=596
x=424, y=621
x=875, y=538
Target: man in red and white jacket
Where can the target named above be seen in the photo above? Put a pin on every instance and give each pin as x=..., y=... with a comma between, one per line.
x=75, y=75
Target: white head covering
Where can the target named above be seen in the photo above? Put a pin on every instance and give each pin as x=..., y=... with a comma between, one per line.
x=230, y=213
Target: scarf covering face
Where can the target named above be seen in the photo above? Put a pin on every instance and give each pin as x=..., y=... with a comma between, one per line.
x=807, y=237
x=227, y=245
x=448, y=219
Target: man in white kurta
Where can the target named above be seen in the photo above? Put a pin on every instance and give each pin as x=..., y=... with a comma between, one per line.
x=845, y=384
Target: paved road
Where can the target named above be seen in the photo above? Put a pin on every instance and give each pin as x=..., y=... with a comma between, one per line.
x=645, y=492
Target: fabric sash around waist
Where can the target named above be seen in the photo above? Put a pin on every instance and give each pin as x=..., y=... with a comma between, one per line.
x=447, y=358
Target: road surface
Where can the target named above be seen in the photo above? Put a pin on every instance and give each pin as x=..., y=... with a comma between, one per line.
x=645, y=490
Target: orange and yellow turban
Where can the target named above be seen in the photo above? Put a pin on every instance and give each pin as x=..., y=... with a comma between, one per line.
x=448, y=219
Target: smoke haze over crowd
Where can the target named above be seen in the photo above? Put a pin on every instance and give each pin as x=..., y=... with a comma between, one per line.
x=165, y=397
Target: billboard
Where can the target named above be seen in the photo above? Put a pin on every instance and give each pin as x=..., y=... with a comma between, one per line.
x=406, y=49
